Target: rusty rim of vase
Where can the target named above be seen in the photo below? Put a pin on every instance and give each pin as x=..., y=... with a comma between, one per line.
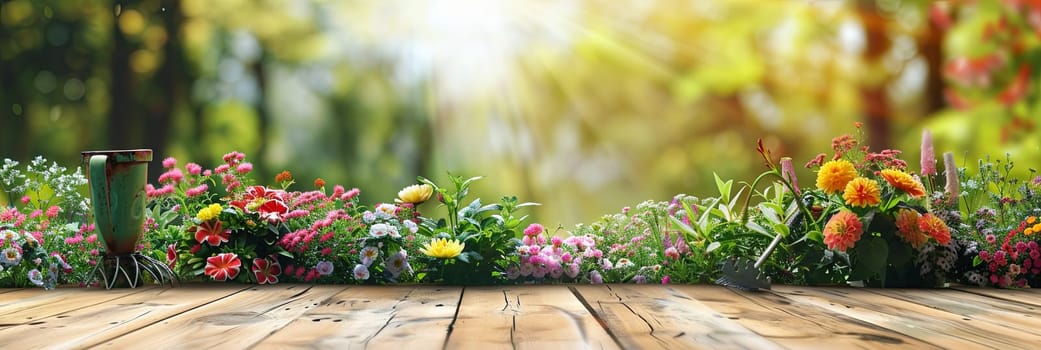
x=123, y=155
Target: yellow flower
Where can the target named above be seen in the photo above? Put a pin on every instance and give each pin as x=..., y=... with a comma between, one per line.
x=209, y=213
x=442, y=248
x=415, y=194
x=904, y=182
x=834, y=175
x=862, y=192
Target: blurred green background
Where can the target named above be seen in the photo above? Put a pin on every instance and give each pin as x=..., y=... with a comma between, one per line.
x=585, y=106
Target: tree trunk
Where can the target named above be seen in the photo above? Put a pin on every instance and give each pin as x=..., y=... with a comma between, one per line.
x=877, y=112
x=123, y=124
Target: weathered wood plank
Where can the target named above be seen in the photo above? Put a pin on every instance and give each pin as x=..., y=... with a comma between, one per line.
x=235, y=322
x=525, y=317
x=931, y=325
x=103, y=321
x=396, y=317
x=29, y=305
x=654, y=316
x=1014, y=315
x=1025, y=296
x=798, y=326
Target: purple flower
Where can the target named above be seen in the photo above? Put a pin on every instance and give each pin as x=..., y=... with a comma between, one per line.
x=595, y=278
x=324, y=268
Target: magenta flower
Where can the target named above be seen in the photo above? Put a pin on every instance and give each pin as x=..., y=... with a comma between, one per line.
x=169, y=162
x=533, y=229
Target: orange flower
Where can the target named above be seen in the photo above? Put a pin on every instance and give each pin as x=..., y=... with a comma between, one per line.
x=907, y=227
x=933, y=226
x=862, y=192
x=843, y=231
x=319, y=182
x=834, y=175
x=284, y=176
x=904, y=182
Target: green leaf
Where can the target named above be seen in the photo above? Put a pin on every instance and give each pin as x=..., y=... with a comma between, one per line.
x=712, y=246
x=870, y=255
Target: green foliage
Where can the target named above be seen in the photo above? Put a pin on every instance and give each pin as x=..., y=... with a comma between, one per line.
x=489, y=233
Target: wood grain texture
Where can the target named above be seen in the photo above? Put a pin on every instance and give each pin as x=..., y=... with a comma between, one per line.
x=525, y=317
x=1023, y=317
x=654, y=316
x=926, y=323
x=373, y=317
x=1026, y=296
x=237, y=321
x=30, y=305
x=102, y=321
x=795, y=325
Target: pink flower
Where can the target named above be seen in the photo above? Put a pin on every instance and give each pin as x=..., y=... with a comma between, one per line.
x=266, y=271
x=233, y=156
x=26, y=200
x=672, y=253
x=35, y=214
x=220, y=169
x=788, y=173
x=223, y=266
x=195, y=191
x=173, y=175
x=244, y=168
x=533, y=229
x=928, y=155
x=53, y=211
x=666, y=279
x=169, y=162
x=953, y=187
x=193, y=169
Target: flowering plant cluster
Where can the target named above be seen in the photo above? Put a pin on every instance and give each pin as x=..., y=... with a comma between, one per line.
x=1001, y=226
x=223, y=227
x=44, y=238
x=879, y=213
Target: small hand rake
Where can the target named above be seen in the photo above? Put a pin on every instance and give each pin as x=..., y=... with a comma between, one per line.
x=745, y=275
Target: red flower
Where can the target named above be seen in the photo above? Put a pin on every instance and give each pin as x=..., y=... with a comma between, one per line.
x=212, y=232
x=223, y=266
x=171, y=255
x=266, y=271
x=270, y=204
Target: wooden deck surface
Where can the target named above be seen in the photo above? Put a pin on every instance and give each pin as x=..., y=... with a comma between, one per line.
x=294, y=316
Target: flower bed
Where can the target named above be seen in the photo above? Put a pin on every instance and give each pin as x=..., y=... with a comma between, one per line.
x=869, y=219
